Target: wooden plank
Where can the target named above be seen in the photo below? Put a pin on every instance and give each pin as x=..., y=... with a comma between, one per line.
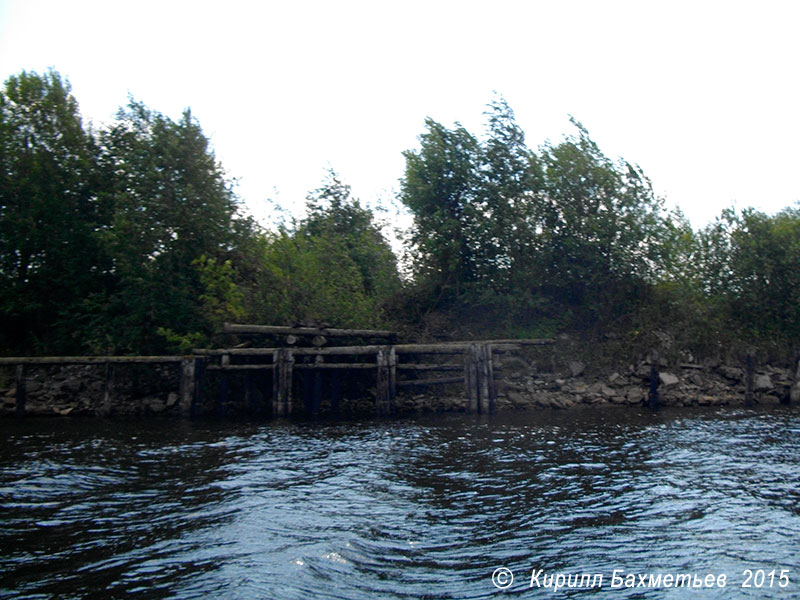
x=326, y=331
x=511, y=341
x=329, y=366
x=424, y=367
x=85, y=360
x=268, y=367
x=449, y=348
x=424, y=382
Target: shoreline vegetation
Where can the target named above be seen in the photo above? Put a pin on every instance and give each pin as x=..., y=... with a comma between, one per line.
x=130, y=240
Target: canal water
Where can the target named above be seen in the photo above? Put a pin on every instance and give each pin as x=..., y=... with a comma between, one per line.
x=618, y=503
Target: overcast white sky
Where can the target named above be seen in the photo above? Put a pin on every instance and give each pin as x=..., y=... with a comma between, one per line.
x=703, y=95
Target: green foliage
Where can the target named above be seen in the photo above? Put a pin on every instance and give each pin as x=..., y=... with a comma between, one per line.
x=752, y=262
x=493, y=217
x=172, y=230
x=50, y=214
x=131, y=241
x=333, y=266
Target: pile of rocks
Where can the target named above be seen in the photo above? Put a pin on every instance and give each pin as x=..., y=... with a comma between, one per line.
x=682, y=385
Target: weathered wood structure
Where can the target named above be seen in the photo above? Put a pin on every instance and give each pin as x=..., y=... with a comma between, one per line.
x=396, y=366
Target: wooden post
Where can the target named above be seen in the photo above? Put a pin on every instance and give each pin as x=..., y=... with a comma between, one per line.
x=492, y=385
x=282, y=382
x=748, y=379
x=306, y=377
x=471, y=380
x=199, y=380
x=20, y=390
x=187, y=387
x=249, y=401
x=794, y=392
x=655, y=381
x=336, y=390
x=108, y=389
x=382, y=385
x=483, y=380
x=392, y=377
x=317, y=399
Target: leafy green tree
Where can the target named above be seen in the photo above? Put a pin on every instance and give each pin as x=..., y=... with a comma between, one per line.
x=603, y=226
x=175, y=216
x=752, y=260
x=51, y=215
x=439, y=188
x=334, y=265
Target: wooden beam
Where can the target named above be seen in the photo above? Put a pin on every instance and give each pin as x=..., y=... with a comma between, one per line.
x=421, y=382
x=325, y=331
x=85, y=360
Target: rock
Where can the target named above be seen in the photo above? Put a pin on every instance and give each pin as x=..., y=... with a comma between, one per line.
x=794, y=394
x=762, y=383
x=172, y=399
x=732, y=373
x=668, y=379
x=696, y=379
x=516, y=398
x=607, y=392
x=576, y=368
x=32, y=386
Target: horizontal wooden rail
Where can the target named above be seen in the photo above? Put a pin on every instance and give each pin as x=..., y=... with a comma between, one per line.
x=325, y=331
x=420, y=367
x=439, y=381
x=450, y=348
x=85, y=360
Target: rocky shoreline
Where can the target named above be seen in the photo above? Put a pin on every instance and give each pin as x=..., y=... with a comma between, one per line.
x=81, y=390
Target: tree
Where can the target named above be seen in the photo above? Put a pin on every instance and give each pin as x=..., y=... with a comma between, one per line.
x=439, y=188
x=174, y=215
x=602, y=228
x=334, y=265
x=50, y=215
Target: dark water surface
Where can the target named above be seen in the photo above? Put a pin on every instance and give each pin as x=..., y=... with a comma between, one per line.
x=422, y=508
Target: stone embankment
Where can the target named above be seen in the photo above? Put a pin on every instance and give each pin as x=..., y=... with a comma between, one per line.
x=681, y=385
x=153, y=390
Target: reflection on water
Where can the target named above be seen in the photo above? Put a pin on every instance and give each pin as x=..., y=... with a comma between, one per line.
x=424, y=508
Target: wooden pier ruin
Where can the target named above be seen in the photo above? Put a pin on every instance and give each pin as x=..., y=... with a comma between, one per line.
x=396, y=366
x=303, y=355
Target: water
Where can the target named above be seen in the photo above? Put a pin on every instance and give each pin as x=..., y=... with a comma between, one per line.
x=422, y=508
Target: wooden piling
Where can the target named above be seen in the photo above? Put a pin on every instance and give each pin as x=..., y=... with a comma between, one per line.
x=383, y=385
x=316, y=400
x=655, y=381
x=336, y=390
x=282, y=382
x=108, y=389
x=470, y=380
x=483, y=380
x=748, y=379
x=20, y=390
x=188, y=385
x=489, y=350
